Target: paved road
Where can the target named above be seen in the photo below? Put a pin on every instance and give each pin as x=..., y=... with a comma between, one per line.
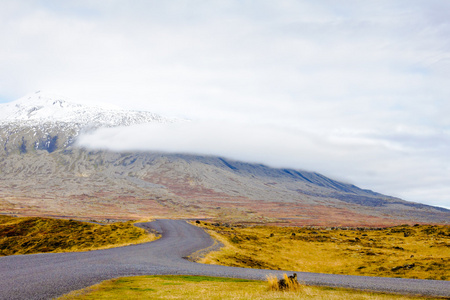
x=45, y=276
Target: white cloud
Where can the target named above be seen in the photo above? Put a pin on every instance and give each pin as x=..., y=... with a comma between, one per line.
x=405, y=166
x=348, y=76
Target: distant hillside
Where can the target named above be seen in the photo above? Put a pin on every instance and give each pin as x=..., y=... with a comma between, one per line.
x=43, y=173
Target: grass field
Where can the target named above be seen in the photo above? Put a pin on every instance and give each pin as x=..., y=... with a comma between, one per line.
x=37, y=235
x=420, y=251
x=212, y=288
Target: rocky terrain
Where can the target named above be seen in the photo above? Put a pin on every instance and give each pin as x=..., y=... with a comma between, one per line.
x=43, y=173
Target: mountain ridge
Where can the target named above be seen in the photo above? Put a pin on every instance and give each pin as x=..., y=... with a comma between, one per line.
x=50, y=175
x=47, y=121
x=40, y=108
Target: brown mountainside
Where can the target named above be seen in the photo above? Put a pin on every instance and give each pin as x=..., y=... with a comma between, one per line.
x=42, y=173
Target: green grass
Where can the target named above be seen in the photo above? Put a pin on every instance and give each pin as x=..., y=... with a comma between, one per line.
x=40, y=235
x=212, y=288
x=202, y=278
x=421, y=251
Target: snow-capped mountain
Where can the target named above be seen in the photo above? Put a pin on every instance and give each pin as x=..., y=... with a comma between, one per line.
x=43, y=173
x=41, y=108
x=43, y=121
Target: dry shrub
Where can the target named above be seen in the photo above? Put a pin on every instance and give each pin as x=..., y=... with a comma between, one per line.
x=272, y=281
x=285, y=284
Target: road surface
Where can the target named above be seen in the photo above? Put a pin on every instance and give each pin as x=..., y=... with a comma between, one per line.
x=45, y=276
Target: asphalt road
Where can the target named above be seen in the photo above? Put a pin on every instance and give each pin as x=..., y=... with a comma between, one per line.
x=45, y=276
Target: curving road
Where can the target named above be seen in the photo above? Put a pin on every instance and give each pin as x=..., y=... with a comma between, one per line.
x=45, y=276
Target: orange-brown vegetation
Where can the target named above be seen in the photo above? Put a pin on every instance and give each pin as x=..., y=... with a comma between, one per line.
x=35, y=235
x=420, y=251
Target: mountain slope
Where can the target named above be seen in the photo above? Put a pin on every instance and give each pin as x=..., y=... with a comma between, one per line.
x=43, y=173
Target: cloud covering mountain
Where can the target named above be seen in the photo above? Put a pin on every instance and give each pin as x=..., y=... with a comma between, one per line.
x=402, y=166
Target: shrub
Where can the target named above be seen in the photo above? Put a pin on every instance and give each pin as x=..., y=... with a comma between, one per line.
x=272, y=281
x=288, y=283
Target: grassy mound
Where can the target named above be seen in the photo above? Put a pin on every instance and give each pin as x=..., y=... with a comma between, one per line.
x=211, y=288
x=421, y=251
x=36, y=235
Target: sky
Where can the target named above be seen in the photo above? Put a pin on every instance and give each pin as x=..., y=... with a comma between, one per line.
x=355, y=90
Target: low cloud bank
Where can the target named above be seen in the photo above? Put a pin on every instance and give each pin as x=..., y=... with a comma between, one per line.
x=401, y=163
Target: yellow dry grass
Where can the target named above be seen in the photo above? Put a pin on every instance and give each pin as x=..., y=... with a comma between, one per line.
x=213, y=288
x=272, y=282
x=421, y=252
x=37, y=235
x=289, y=284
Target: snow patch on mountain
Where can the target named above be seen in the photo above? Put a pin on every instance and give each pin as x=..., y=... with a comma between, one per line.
x=42, y=108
